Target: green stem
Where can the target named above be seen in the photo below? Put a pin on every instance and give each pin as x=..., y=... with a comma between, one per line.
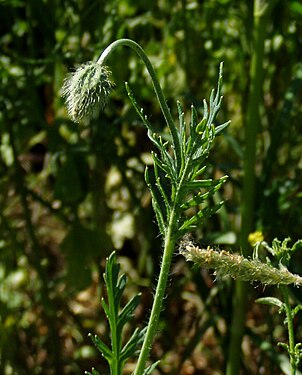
x=158, y=91
x=253, y=120
x=115, y=366
x=261, y=10
x=163, y=276
x=158, y=298
x=290, y=328
x=169, y=242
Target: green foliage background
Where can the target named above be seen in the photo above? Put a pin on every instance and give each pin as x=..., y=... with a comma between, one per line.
x=70, y=194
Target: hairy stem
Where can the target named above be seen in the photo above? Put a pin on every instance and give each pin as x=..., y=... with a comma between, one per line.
x=158, y=91
x=158, y=299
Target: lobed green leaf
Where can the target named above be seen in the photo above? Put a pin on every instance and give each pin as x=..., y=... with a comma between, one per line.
x=127, y=312
x=201, y=197
x=119, y=290
x=148, y=370
x=105, y=308
x=220, y=128
x=131, y=346
x=156, y=206
x=193, y=222
x=199, y=184
x=102, y=347
x=139, y=110
x=272, y=301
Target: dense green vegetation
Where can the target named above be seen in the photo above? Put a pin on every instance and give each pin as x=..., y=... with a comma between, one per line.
x=71, y=193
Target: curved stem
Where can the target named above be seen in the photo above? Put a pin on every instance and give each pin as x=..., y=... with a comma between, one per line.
x=158, y=299
x=158, y=91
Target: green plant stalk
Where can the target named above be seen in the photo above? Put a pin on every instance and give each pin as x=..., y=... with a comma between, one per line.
x=116, y=366
x=169, y=242
x=290, y=329
x=261, y=10
x=169, y=245
x=86, y=92
x=158, y=91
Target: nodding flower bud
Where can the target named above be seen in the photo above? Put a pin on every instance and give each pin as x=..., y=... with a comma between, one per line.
x=86, y=90
x=238, y=267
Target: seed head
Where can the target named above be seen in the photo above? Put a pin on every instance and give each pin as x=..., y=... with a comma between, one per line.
x=86, y=90
x=238, y=267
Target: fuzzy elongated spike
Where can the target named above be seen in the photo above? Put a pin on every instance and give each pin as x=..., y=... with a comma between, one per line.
x=238, y=267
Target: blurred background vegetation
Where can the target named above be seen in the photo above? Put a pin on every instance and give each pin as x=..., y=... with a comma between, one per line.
x=70, y=194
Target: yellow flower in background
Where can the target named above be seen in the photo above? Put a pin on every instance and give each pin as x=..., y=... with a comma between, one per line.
x=255, y=237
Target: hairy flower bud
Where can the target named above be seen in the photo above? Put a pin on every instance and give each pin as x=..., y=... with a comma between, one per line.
x=238, y=267
x=86, y=90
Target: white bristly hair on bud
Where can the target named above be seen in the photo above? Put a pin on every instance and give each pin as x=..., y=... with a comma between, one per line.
x=86, y=90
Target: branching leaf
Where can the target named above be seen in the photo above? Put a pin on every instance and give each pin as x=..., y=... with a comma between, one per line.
x=296, y=310
x=139, y=110
x=185, y=180
x=193, y=124
x=105, y=308
x=220, y=128
x=196, y=171
x=272, y=301
x=102, y=347
x=127, y=312
x=182, y=131
x=164, y=196
x=199, y=184
x=160, y=164
x=284, y=346
x=201, y=197
x=135, y=340
x=297, y=246
x=156, y=206
x=117, y=316
x=118, y=290
x=148, y=370
x=198, y=219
